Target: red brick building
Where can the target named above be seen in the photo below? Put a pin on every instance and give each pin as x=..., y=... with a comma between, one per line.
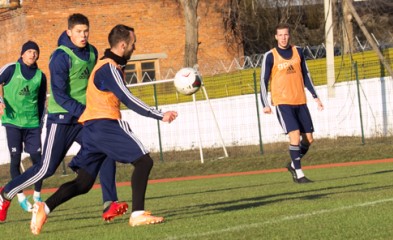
x=159, y=25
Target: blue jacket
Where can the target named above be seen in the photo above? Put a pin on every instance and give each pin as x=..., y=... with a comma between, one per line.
x=59, y=66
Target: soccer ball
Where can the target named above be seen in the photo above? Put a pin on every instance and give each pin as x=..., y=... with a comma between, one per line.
x=187, y=81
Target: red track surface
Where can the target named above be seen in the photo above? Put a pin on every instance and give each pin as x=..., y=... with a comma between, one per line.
x=238, y=173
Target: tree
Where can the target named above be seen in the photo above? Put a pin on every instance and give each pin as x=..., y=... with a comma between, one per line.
x=191, y=41
x=347, y=29
x=253, y=22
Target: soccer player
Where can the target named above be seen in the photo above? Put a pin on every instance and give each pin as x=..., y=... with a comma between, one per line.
x=70, y=67
x=22, y=106
x=105, y=134
x=286, y=68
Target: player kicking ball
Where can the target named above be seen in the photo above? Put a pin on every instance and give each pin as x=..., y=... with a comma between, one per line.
x=105, y=134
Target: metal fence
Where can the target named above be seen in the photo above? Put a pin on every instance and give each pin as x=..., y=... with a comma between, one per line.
x=358, y=107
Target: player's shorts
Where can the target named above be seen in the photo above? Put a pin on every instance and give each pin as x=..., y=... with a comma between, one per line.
x=294, y=117
x=29, y=137
x=112, y=139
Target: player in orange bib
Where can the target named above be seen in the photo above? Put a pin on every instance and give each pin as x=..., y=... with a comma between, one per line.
x=106, y=136
x=285, y=67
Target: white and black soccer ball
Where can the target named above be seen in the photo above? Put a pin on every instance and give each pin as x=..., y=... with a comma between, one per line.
x=187, y=81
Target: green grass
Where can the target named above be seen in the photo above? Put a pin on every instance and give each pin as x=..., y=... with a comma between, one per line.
x=351, y=202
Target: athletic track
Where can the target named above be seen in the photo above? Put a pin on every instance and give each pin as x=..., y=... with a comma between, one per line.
x=49, y=190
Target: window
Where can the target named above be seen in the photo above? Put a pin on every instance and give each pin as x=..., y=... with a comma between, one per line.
x=142, y=71
x=148, y=71
x=144, y=68
x=131, y=75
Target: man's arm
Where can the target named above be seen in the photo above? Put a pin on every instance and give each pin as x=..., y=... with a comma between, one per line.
x=266, y=69
x=6, y=73
x=109, y=78
x=306, y=74
x=42, y=97
x=2, y=105
x=59, y=67
x=307, y=79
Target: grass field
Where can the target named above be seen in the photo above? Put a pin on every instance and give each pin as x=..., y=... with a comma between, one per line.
x=348, y=202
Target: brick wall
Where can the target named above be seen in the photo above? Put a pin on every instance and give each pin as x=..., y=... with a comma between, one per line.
x=159, y=25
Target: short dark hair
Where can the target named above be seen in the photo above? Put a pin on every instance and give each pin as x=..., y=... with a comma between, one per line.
x=282, y=26
x=77, y=19
x=119, y=33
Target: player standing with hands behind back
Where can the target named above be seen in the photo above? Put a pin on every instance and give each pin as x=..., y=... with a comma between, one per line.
x=286, y=68
x=22, y=106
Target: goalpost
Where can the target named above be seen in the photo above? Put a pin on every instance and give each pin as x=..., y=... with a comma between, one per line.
x=196, y=112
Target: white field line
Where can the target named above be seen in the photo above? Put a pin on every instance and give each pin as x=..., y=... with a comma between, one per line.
x=259, y=224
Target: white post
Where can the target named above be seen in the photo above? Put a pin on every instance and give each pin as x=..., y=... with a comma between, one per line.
x=215, y=121
x=329, y=47
x=198, y=133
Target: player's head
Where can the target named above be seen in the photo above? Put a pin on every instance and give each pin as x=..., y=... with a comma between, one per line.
x=122, y=38
x=78, y=29
x=282, y=35
x=30, y=53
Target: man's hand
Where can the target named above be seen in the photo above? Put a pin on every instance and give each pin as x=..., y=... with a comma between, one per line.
x=169, y=116
x=2, y=106
x=320, y=105
x=267, y=110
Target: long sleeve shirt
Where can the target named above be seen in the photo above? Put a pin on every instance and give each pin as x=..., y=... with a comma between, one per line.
x=267, y=66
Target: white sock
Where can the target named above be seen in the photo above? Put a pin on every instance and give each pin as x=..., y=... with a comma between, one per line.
x=46, y=209
x=137, y=213
x=37, y=194
x=299, y=173
x=21, y=197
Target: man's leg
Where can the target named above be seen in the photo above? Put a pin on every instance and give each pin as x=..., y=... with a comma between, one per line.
x=112, y=208
x=305, y=143
x=15, y=141
x=56, y=146
x=139, y=181
x=36, y=159
x=134, y=153
x=58, y=140
x=80, y=185
x=87, y=173
x=295, y=168
x=32, y=140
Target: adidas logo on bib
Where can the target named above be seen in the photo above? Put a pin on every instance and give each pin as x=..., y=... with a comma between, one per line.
x=25, y=91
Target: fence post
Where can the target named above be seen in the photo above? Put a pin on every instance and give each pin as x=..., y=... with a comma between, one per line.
x=359, y=100
x=64, y=168
x=259, y=118
x=158, y=123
